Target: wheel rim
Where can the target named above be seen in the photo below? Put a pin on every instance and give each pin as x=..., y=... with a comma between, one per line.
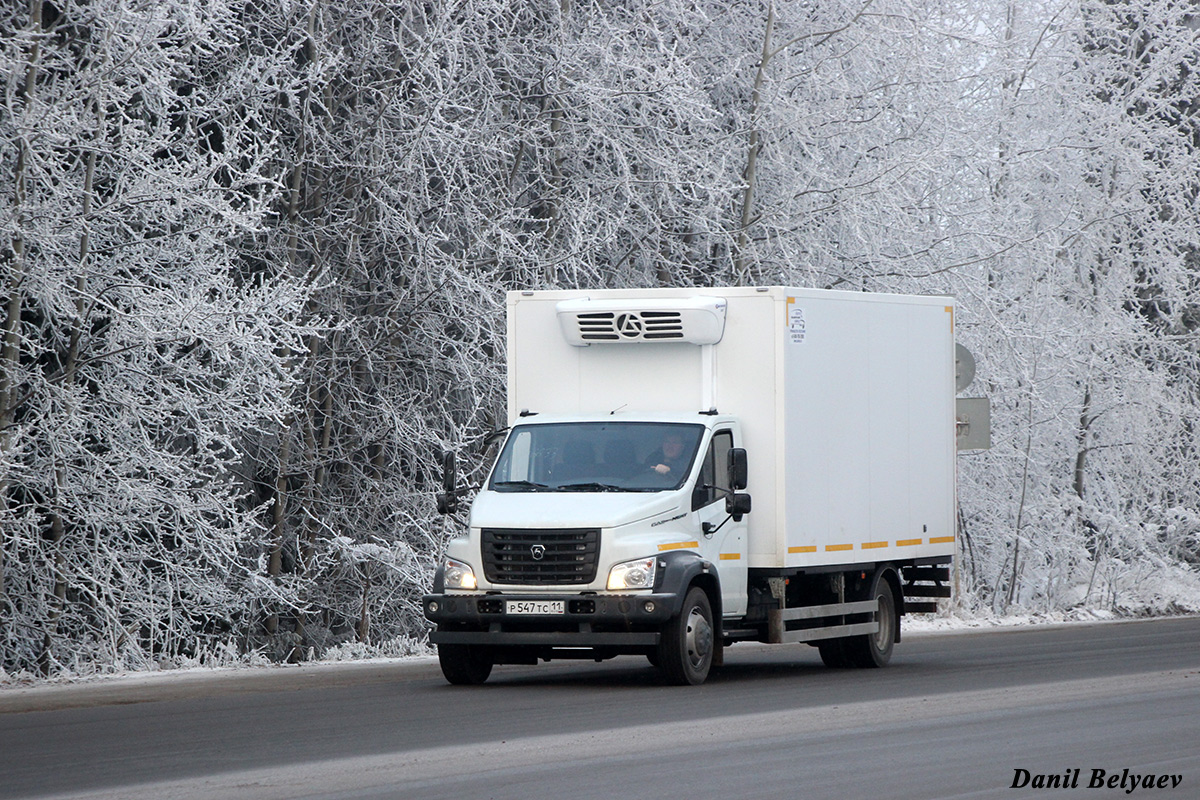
x=699, y=638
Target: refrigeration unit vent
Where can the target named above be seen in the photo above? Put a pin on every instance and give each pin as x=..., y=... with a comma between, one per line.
x=695, y=320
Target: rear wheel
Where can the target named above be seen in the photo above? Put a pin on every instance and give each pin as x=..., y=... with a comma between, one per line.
x=685, y=651
x=464, y=664
x=833, y=653
x=875, y=649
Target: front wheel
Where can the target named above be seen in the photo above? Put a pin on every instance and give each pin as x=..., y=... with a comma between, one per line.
x=685, y=651
x=875, y=649
x=464, y=664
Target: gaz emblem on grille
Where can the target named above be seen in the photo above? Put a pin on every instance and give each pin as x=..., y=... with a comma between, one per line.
x=538, y=551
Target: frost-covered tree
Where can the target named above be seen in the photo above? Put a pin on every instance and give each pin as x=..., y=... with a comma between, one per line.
x=140, y=346
x=254, y=257
x=433, y=156
x=1084, y=325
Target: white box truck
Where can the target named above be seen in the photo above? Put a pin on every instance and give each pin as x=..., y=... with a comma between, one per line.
x=617, y=518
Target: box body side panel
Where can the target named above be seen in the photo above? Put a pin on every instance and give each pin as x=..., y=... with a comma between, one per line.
x=869, y=431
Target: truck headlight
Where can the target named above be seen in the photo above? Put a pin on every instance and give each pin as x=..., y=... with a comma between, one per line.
x=458, y=575
x=637, y=574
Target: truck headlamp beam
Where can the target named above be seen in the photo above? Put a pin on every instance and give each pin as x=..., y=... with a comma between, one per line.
x=458, y=575
x=637, y=574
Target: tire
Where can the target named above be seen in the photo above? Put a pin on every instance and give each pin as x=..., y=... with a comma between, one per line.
x=464, y=664
x=685, y=651
x=833, y=653
x=875, y=649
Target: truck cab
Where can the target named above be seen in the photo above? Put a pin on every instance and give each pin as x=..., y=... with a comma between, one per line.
x=587, y=535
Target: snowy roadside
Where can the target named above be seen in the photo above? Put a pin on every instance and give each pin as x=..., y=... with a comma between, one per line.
x=946, y=623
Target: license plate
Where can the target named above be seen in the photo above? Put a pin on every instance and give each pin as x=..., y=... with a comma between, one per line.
x=535, y=607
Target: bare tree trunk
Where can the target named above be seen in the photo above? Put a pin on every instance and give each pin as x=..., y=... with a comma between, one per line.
x=1016, y=563
x=554, y=201
x=1087, y=529
x=321, y=449
x=279, y=507
x=57, y=533
x=751, y=172
x=1003, y=146
x=10, y=353
x=1081, y=439
x=364, y=616
x=70, y=363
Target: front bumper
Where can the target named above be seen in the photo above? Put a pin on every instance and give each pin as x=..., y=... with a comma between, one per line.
x=587, y=621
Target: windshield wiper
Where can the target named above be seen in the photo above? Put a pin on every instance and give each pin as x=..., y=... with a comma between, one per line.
x=589, y=487
x=537, y=487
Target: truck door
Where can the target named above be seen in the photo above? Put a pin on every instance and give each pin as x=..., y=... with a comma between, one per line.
x=722, y=541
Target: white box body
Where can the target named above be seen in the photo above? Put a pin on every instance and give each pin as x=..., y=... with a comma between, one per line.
x=846, y=402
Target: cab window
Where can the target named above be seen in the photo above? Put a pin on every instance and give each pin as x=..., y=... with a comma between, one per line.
x=714, y=471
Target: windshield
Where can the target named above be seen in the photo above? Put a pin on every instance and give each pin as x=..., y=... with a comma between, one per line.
x=597, y=457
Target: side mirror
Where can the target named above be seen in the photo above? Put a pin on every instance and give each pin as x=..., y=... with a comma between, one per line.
x=737, y=468
x=447, y=500
x=737, y=506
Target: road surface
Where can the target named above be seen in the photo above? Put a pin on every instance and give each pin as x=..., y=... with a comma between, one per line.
x=954, y=716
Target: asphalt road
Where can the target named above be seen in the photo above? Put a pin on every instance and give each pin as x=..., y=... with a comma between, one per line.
x=954, y=715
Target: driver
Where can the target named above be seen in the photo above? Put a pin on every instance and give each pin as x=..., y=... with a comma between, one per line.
x=669, y=460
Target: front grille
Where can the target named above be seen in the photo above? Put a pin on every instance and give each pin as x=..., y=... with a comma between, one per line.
x=559, y=556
